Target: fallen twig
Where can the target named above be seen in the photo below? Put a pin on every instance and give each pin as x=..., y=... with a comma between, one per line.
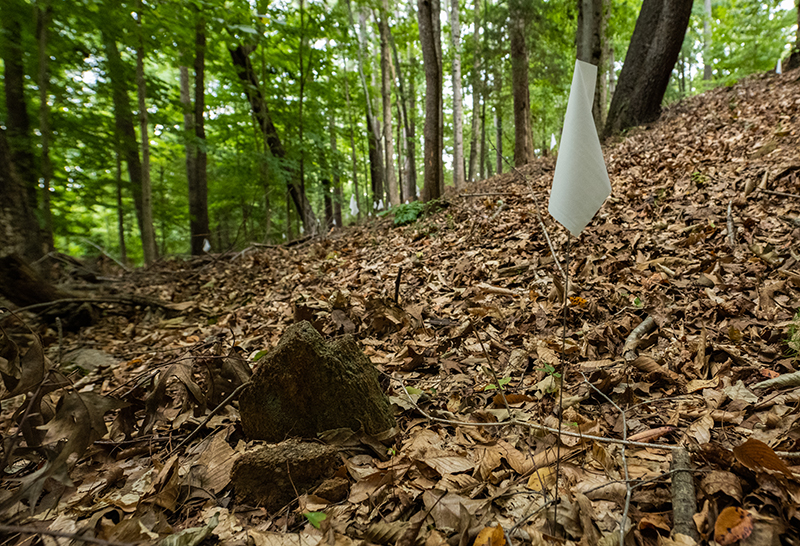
x=128, y=300
x=74, y=536
x=629, y=350
x=782, y=194
x=684, y=501
x=731, y=227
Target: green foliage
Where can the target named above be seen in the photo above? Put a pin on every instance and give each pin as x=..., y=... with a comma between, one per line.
x=550, y=370
x=406, y=213
x=793, y=340
x=315, y=518
x=503, y=382
x=315, y=50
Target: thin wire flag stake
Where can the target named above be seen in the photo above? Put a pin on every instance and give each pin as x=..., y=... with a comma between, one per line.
x=580, y=186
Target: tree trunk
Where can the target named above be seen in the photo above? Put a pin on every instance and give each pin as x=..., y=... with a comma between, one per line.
x=123, y=251
x=411, y=181
x=123, y=121
x=655, y=45
x=437, y=42
x=386, y=92
x=410, y=169
x=498, y=120
x=476, y=94
x=433, y=94
x=591, y=37
x=458, y=111
x=376, y=170
x=20, y=141
x=337, y=179
x=327, y=203
x=353, y=158
x=191, y=151
x=17, y=219
x=523, y=140
x=42, y=23
x=244, y=69
x=198, y=183
x=148, y=233
x=708, y=68
x=377, y=167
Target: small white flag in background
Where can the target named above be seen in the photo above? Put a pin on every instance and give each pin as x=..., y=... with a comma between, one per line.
x=580, y=184
x=553, y=141
x=353, y=205
x=778, y=68
x=380, y=204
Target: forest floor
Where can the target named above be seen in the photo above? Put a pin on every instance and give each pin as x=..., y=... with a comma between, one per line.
x=479, y=290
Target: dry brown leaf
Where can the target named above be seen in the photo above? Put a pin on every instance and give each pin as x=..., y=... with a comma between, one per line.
x=490, y=536
x=756, y=455
x=733, y=524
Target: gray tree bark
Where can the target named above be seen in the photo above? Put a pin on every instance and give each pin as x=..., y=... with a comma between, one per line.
x=476, y=94
x=386, y=93
x=523, y=139
x=708, y=68
x=43, y=13
x=148, y=233
x=591, y=38
x=428, y=17
x=458, y=110
x=655, y=46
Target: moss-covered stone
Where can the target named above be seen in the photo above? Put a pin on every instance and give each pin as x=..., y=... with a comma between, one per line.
x=305, y=386
x=273, y=475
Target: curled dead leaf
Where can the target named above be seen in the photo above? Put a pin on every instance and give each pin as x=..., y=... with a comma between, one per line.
x=756, y=455
x=490, y=536
x=733, y=524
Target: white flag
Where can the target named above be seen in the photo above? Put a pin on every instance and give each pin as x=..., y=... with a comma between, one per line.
x=353, y=205
x=778, y=68
x=580, y=184
x=553, y=141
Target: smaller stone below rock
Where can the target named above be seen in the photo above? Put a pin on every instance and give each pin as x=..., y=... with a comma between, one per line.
x=274, y=475
x=334, y=489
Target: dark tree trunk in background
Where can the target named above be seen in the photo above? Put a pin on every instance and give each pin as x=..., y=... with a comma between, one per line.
x=148, y=231
x=335, y=173
x=708, y=68
x=459, y=179
x=42, y=23
x=386, y=94
x=654, y=48
x=410, y=168
x=19, y=139
x=498, y=120
x=433, y=99
x=794, y=58
x=327, y=203
x=18, y=225
x=591, y=37
x=411, y=180
x=189, y=147
x=198, y=183
x=475, y=80
x=523, y=139
x=123, y=121
x=376, y=170
x=123, y=251
x=244, y=69
x=353, y=158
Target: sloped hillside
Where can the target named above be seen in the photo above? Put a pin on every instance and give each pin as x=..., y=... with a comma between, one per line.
x=701, y=235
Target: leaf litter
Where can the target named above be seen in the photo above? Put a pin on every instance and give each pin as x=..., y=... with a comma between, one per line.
x=681, y=330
